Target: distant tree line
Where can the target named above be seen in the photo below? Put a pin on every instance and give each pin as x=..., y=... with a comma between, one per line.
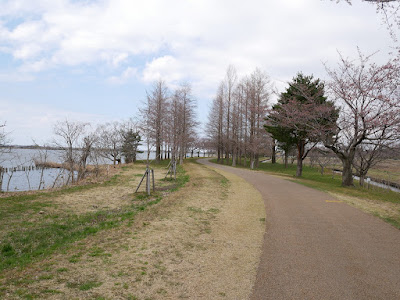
x=81, y=144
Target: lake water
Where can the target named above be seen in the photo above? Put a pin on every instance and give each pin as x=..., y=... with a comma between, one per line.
x=28, y=179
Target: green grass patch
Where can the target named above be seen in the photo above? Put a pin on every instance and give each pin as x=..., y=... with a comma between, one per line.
x=62, y=270
x=96, y=251
x=89, y=285
x=50, y=291
x=24, y=241
x=327, y=182
x=84, y=286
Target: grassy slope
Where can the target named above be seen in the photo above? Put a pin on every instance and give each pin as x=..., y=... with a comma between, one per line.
x=374, y=200
x=27, y=235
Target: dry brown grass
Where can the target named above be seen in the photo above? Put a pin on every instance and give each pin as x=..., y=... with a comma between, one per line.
x=384, y=210
x=107, y=197
x=201, y=242
x=387, y=170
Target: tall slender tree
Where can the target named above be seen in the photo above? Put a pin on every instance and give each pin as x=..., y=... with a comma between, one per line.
x=154, y=115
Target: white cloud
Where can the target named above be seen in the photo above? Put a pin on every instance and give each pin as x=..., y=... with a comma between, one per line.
x=187, y=40
x=126, y=75
x=165, y=67
x=248, y=33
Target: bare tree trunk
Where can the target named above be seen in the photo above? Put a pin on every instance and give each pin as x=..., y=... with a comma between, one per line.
x=300, y=153
x=347, y=175
x=1, y=178
x=273, y=158
x=286, y=158
x=234, y=159
x=9, y=179
x=362, y=179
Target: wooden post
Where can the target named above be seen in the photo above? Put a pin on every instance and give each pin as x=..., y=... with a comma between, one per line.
x=140, y=182
x=175, y=170
x=154, y=186
x=148, y=181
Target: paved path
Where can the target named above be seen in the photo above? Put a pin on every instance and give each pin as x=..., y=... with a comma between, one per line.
x=316, y=248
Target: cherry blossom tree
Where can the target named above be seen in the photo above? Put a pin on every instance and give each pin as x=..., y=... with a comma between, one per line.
x=369, y=95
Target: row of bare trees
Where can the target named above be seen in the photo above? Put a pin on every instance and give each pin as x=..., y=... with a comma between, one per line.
x=168, y=121
x=236, y=119
x=81, y=143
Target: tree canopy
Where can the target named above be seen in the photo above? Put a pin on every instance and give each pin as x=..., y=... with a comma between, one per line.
x=302, y=116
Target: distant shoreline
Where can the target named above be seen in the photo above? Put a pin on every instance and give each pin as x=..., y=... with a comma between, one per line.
x=31, y=147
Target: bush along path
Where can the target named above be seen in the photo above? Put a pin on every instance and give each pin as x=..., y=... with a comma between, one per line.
x=199, y=239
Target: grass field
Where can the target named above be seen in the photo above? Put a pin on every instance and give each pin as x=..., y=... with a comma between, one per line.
x=102, y=241
x=388, y=169
x=377, y=201
x=33, y=226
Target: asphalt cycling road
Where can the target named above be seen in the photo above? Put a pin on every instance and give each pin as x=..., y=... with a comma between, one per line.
x=316, y=247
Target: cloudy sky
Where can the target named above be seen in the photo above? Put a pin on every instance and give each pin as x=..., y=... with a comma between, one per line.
x=93, y=60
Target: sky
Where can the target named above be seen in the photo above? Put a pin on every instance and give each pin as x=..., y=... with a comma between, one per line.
x=92, y=61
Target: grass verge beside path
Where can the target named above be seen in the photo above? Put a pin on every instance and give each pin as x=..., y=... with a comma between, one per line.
x=382, y=203
x=202, y=241
x=34, y=226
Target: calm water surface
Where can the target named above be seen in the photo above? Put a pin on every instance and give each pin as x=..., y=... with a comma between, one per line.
x=24, y=180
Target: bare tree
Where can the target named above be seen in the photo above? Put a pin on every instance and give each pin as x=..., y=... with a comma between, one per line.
x=323, y=157
x=368, y=95
x=216, y=124
x=68, y=137
x=229, y=85
x=259, y=92
x=369, y=153
x=3, y=149
x=109, y=141
x=186, y=119
x=241, y=135
x=85, y=151
x=154, y=115
x=41, y=159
